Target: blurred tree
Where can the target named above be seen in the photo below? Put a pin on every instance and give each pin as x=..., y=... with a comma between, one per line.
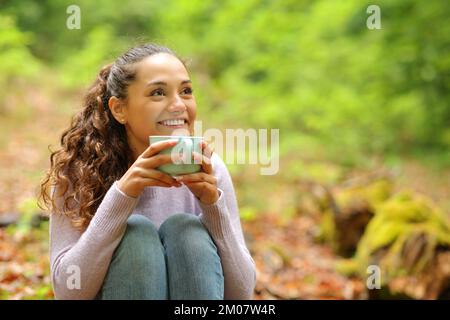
x=14, y=54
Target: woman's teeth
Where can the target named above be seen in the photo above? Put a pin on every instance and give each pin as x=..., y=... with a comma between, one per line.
x=178, y=122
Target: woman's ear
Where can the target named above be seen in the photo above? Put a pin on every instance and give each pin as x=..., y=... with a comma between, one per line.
x=118, y=110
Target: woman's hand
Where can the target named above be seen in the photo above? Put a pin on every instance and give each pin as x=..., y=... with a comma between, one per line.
x=202, y=184
x=143, y=172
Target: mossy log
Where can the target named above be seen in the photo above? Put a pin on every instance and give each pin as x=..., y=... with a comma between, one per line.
x=349, y=212
x=409, y=239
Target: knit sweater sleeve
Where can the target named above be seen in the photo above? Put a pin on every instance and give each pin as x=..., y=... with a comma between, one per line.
x=223, y=222
x=79, y=260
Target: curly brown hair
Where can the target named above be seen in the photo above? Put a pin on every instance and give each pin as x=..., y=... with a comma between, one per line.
x=94, y=149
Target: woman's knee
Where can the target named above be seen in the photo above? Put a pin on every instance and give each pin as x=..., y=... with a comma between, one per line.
x=194, y=265
x=140, y=235
x=181, y=224
x=185, y=229
x=139, y=227
x=138, y=268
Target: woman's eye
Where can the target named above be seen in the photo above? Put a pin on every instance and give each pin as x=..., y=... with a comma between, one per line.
x=157, y=92
x=188, y=91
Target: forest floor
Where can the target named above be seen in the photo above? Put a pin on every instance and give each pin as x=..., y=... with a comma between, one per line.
x=290, y=263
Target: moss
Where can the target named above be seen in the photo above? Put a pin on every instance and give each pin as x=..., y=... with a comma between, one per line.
x=403, y=217
x=347, y=267
x=327, y=228
x=373, y=194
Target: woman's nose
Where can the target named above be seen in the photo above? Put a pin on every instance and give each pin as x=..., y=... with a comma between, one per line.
x=177, y=105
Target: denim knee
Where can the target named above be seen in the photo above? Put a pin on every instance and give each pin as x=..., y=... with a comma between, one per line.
x=138, y=268
x=140, y=231
x=186, y=227
x=194, y=265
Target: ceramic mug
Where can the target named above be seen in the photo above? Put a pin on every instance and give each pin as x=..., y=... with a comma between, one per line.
x=185, y=146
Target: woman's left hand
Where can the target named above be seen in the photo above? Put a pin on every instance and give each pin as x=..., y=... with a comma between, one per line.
x=202, y=184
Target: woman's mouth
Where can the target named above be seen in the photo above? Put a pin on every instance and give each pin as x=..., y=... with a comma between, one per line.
x=175, y=123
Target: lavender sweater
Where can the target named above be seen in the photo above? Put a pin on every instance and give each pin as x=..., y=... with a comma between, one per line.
x=92, y=249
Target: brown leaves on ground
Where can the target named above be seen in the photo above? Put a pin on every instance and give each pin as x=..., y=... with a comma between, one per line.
x=290, y=265
x=24, y=266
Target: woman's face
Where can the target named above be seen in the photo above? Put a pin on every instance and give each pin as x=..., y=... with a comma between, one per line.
x=160, y=100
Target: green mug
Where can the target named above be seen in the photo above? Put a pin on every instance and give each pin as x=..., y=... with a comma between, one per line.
x=185, y=146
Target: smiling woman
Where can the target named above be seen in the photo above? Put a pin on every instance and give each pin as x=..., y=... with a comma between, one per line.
x=159, y=96
x=135, y=232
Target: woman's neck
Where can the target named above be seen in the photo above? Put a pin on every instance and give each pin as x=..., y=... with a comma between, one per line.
x=137, y=146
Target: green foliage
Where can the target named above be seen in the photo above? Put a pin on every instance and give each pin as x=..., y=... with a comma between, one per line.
x=14, y=55
x=311, y=68
x=84, y=64
x=247, y=213
x=28, y=209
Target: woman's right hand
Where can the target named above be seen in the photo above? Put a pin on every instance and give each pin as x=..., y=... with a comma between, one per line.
x=143, y=173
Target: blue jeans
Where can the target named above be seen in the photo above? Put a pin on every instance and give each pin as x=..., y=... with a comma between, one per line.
x=178, y=262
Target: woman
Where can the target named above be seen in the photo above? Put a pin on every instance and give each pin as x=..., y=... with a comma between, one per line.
x=119, y=228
